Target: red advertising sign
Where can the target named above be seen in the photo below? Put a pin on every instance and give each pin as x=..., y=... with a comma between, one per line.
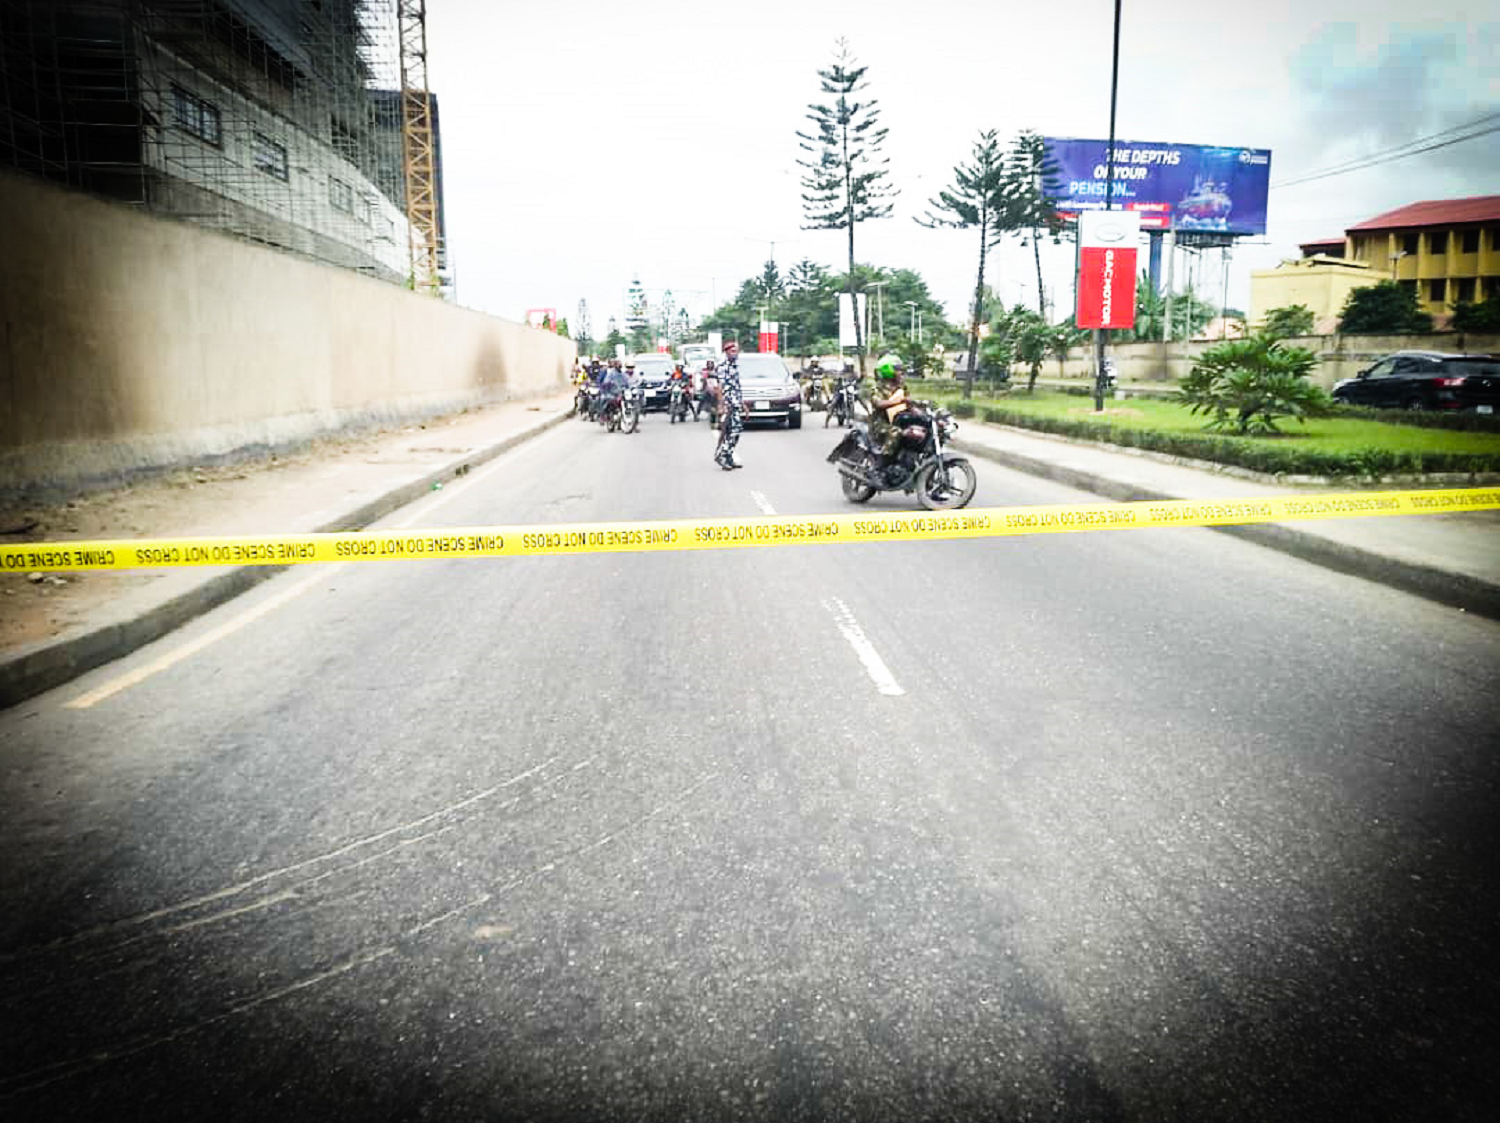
x=1106, y=268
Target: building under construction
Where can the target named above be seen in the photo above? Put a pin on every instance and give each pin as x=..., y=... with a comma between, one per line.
x=279, y=121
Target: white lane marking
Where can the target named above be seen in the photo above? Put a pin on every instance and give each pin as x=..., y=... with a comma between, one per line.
x=229, y=627
x=763, y=503
x=849, y=628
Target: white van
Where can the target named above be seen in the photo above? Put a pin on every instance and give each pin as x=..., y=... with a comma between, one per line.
x=694, y=355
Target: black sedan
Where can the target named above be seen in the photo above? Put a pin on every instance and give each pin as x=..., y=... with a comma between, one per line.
x=652, y=373
x=1426, y=380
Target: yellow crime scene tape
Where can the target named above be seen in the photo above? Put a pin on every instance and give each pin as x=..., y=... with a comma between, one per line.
x=715, y=534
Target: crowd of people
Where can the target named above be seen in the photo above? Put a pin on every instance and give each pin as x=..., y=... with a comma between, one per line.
x=715, y=388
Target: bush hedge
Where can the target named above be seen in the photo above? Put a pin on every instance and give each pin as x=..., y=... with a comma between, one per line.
x=1257, y=456
x=1424, y=419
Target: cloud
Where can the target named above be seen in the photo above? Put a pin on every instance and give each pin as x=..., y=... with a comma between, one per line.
x=1359, y=97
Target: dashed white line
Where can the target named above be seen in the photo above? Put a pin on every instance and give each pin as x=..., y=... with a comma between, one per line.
x=875, y=666
x=763, y=503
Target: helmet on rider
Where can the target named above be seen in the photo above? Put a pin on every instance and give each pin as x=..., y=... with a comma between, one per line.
x=889, y=366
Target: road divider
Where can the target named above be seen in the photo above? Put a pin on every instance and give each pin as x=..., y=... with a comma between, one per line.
x=715, y=534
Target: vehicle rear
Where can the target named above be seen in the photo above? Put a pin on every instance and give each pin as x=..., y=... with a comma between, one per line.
x=1468, y=384
x=769, y=390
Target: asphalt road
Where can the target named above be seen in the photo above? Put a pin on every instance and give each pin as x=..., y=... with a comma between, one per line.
x=1141, y=825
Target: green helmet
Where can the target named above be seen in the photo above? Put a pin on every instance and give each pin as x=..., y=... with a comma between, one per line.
x=888, y=366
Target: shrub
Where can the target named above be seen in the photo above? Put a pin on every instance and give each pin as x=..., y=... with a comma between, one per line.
x=1293, y=320
x=1246, y=384
x=1382, y=309
x=1485, y=317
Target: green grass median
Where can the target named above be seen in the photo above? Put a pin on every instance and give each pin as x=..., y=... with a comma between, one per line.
x=1335, y=446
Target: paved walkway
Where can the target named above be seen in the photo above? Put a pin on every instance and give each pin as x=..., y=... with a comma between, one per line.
x=1450, y=558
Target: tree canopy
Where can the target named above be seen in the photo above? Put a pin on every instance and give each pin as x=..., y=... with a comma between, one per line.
x=808, y=307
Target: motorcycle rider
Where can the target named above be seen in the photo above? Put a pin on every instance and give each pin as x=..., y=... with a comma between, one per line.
x=813, y=385
x=611, y=390
x=681, y=381
x=888, y=400
x=708, y=394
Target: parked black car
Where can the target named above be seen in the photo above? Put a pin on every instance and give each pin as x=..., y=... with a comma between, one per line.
x=1426, y=380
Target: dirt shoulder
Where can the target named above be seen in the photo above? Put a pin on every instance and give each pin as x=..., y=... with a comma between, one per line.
x=253, y=496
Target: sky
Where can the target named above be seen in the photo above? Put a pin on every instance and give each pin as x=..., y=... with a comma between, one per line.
x=589, y=142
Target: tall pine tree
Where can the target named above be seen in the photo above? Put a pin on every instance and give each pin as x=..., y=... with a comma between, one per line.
x=975, y=199
x=843, y=185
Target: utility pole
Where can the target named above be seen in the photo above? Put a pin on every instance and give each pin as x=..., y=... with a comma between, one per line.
x=1109, y=202
x=879, y=287
x=911, y=330
x=1166, y=317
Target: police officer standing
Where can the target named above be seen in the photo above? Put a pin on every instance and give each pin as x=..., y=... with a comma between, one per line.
x=732, y=407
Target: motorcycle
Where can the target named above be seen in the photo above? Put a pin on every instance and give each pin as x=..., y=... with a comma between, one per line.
x=630, y=409
x=583, y=402
x=843, y=404
x=943, y=481
x=812, y=391
x=680, y=401
x=623, y=413
x=708, y=401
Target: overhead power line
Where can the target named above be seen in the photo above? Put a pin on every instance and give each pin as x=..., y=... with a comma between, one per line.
x=1429, y=143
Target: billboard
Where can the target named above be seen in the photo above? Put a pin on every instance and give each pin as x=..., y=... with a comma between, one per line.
x=1106, y=268
x=1182, y=186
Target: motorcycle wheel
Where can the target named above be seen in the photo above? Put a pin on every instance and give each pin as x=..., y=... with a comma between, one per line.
x=612, y=421
x=856, y=492
x=938, y=490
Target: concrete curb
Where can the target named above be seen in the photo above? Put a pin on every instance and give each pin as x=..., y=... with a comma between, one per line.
x=49, y=665
x=1456, y=590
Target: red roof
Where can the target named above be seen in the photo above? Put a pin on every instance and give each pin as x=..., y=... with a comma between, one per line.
x=1322, y=242
x=1436, y=212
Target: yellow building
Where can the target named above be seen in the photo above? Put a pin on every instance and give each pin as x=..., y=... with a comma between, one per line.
x=1321, y=282
x=1447, y=249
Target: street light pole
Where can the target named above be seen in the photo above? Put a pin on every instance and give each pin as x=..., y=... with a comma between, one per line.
x=1109, y=201
x=911, y=331
x=879, y=287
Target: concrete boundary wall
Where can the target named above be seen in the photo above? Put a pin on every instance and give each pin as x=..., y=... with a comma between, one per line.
x=1339, y=356
x=133, y=343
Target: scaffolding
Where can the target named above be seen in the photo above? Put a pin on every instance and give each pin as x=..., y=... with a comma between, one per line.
x=277, y=121
x=419, y=146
